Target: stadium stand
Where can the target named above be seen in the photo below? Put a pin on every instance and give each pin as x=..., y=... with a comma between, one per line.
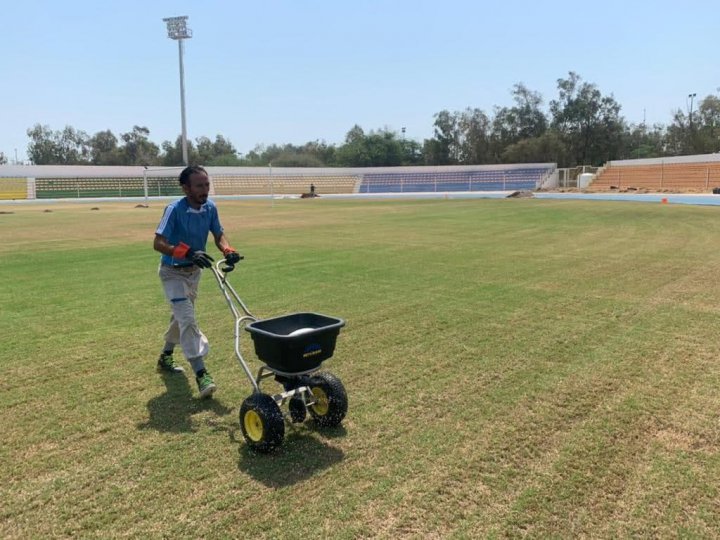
x=686, y=173
x=64, y=188
x=89, y=181
x=489, y=179
x=282, y=184
x=13, y=188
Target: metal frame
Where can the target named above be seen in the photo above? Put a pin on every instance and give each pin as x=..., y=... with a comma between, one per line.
x=242, y=316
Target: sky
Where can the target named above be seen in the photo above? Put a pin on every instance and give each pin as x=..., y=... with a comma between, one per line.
x=291, y=71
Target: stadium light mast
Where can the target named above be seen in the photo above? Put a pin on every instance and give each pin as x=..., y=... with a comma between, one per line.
x=692, y=97
x=177, y=29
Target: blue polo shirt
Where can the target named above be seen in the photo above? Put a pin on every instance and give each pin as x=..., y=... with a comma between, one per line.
x=183, y=223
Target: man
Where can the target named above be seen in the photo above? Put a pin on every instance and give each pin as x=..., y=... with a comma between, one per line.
x=181, y=238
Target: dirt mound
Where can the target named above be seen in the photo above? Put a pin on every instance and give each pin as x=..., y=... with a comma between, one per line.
x=521, y=195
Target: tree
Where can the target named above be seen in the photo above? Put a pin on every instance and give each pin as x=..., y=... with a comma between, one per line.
x=379, y=148
x=254, y=157
x=412, y=152
x=75, y=146
x=280, y=156
x=204, y=150
x=66, y=147
x=677, y=138
x=639, y=141
x=296, y=159
x=588, y=122
x=322, y=151
x=138, y=149
x=699, y=135
x=461, y=137
x=525, y=120
x=547, y=148
x=384, y=148
x=42, y=149
x=208, y=151
x=3, y=159
x=311, y=154
x=705, y=133
x=172, y=155
x=529, y=120
x=474, y=137
x=354, y=152
x=444, y=147
x=104, y=149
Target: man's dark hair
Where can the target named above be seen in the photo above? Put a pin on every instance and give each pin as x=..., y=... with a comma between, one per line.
x=188, y=171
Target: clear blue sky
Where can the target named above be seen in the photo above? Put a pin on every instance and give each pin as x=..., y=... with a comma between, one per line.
x=291, y=71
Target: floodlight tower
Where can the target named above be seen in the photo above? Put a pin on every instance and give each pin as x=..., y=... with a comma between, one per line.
x=177, y=29
x=692, y=97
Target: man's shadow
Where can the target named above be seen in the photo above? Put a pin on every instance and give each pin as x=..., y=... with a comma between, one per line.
x=172, y=411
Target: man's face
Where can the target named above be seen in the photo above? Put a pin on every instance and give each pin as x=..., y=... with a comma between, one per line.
x=197, y=189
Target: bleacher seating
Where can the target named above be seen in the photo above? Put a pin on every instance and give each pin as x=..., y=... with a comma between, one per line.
x=13, y=188
x=59, y=188
x=62, y=188
x=282, y=184
x=692, y=176
x=72, y=182
x=501, y=179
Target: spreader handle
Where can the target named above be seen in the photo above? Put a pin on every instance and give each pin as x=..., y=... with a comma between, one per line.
x=228, y=267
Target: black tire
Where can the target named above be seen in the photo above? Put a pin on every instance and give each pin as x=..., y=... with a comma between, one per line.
x=331, y=402
x=261, y=422
x=297, y=409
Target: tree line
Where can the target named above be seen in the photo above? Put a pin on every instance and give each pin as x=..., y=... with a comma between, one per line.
x=580, y=126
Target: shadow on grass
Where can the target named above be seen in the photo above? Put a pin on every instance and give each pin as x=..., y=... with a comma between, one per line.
x=329, y=432
x=301, y=456
x=172, y=411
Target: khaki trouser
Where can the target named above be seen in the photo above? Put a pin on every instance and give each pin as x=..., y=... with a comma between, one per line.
x=181, y=285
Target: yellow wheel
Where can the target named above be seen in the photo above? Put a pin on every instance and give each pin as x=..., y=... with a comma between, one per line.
x=253, y=426
x=262, y=423
x=321, y=406
x=331, y=402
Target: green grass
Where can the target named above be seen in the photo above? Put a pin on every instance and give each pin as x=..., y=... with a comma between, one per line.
x=514, y=368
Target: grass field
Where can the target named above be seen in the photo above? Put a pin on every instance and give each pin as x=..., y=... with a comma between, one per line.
x=514, y=368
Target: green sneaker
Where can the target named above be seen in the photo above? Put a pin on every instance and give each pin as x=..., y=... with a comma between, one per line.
x=206, y=385
x=166, y=362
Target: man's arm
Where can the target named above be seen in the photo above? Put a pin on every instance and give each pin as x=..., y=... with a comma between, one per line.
x=222, y=243
x=182, y=251
x=162, y=245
